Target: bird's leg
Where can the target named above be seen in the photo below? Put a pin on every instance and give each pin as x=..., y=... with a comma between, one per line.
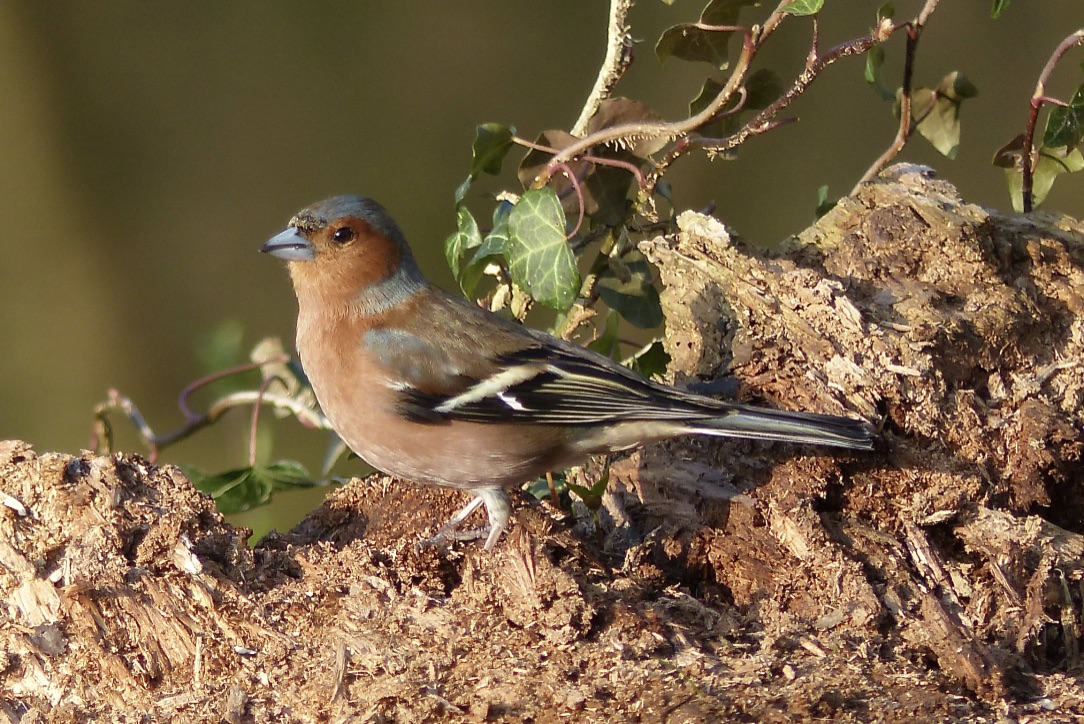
x=499, y=509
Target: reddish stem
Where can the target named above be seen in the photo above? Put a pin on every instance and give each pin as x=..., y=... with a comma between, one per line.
x=1031, y=154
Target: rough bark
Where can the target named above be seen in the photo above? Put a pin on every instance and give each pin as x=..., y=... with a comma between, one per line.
x=938, y=577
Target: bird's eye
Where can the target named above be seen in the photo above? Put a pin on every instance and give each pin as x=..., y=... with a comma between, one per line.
x=343, y=235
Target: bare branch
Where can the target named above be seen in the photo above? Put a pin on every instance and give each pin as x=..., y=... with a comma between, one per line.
x=102, y=440
x=906, y=126
x=617, y=60
x=765, y=120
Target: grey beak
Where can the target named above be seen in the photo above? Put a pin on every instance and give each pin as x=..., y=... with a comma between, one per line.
x=289, y=245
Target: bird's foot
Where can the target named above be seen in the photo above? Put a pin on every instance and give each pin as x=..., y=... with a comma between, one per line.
x=499, y=509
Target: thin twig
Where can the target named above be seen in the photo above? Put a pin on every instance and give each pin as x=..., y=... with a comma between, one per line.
x=615, y=162
x=632, y=131
x=191, y=388
x=752, y=40
x=906, y=127
x=256, y=419
x=617, y=60
x=764, y=121
x=1030, y=154
x=581, y=202
x=154, y=442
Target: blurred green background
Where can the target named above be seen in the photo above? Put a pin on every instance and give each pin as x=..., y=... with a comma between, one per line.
x=148, y=149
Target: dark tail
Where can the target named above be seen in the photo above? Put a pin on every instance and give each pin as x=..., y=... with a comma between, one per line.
x=756, y=423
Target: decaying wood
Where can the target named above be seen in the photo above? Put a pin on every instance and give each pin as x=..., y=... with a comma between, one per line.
x=938, y=577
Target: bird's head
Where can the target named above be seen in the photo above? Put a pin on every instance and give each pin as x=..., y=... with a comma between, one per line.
x=346, y=252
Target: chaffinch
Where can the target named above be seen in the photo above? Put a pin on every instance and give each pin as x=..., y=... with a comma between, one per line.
x=427, y=386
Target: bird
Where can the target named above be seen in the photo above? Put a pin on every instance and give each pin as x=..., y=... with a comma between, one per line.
x=427, y=386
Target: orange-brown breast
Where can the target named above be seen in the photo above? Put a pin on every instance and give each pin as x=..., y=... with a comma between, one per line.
x=358, y=397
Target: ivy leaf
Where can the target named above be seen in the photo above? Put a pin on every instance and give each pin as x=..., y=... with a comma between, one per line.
x=539, y=257
x=625, y=286
x=494, y=245
x=1052, y=162
x=619, y=111
x=762, y=88
x=1065, y=124
x=689, y=42
x=724, y=12
x=938, y=111
x=824, y=204
x=607, y=343
x=606, y=193
x=535, y=160
x=465, y=237
x=336, y=450
x=491, y=143
x=650, y=360
x=235, y=491
x=804, y=7
x=462, y=189
x=1010, y=155
x=604, y=188
x=693, y=42
x=875, y=58
x=720, y=127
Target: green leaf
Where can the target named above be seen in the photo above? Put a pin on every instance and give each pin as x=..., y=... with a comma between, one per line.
x=607, y=343
x=886, y=12
x=535, y=160
x=465, y=237
x=626, y=287
x=998, y=7
x=539, y=488
x=664, y=190
x=724, y=12
x=220, y=346
x=720, y=127
x=1065, y=124
x=804, y=7
x=494, y=245
x=592, y=497
x=1011, y=154
x=938, y=112
x=875, y=58
x=824, y=204
x=235, y=491
x=689, y=42
x=336, y=450
x=762, y=89
x=539, y=258
x=606, y=195
x=650, y=360
x=462, y=189
x=604, y=188
x=1052, y=163
x=491, y=143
